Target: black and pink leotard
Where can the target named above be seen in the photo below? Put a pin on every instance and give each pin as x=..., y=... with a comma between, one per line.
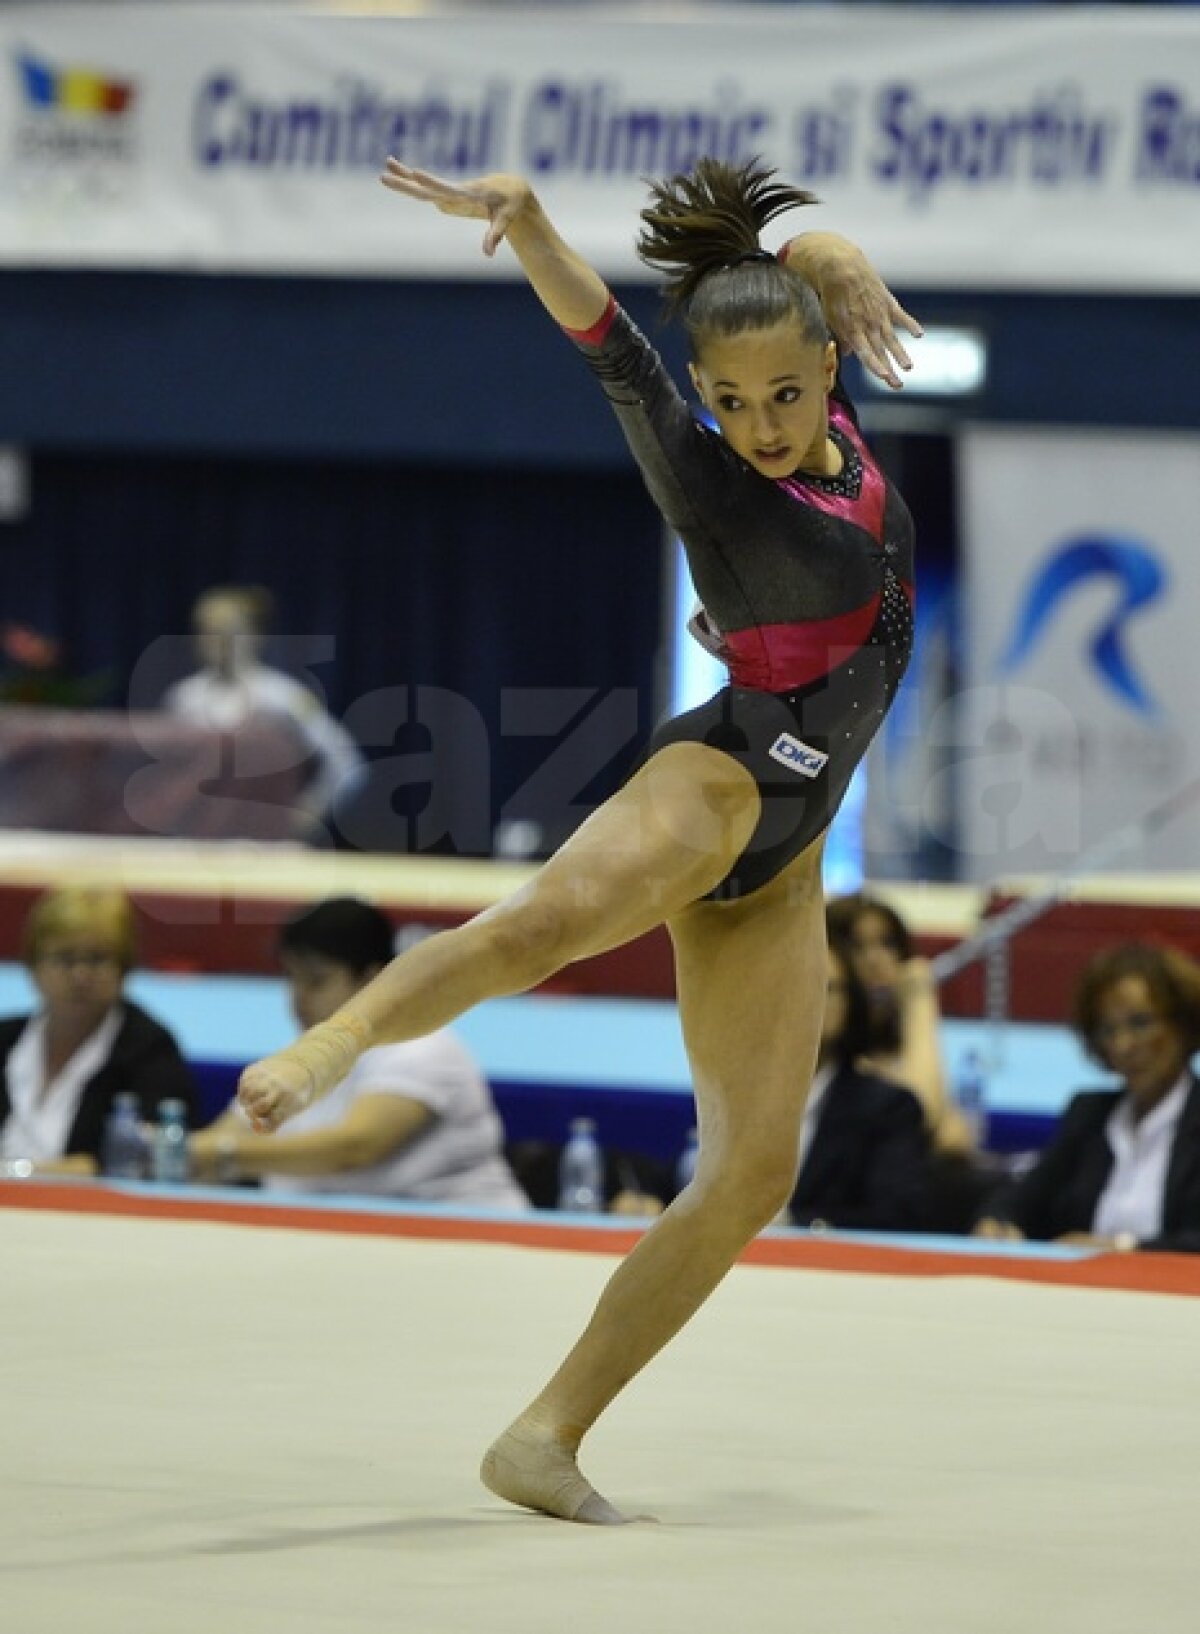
x=806, y=584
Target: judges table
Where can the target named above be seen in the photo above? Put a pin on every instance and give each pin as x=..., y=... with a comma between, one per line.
x=553, y=1057
x=119, y=772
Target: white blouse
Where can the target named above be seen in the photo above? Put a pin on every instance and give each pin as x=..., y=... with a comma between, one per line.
x=1133, y=1198
x=40, y=1121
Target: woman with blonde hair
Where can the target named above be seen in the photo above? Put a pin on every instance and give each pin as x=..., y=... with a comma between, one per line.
x=62, y=1067
x=801, y=552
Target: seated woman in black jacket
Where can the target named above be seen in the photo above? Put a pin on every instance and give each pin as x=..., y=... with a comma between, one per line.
x=1123, y=1170
x=62, y=1067
x=864, y=1146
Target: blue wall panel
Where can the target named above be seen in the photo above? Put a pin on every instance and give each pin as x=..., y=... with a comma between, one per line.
x=471, y=373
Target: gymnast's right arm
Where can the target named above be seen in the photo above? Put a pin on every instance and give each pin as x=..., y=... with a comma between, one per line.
x=572, y=292
x=681, y=464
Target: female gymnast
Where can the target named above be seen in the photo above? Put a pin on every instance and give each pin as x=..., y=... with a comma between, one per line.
x=801, y=552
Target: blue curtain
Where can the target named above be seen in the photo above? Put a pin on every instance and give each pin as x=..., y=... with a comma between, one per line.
x=464, y=614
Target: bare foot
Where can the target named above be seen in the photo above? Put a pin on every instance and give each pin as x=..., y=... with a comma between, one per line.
x=530, y=1467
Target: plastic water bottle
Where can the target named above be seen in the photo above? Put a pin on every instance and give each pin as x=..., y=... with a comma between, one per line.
x=970, y=1094
x=171, y=1144
x=581, y=1171
x=685, y=1169
x=124, y=1152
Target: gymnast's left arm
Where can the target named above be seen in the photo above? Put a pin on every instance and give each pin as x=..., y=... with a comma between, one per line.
x=860, y=309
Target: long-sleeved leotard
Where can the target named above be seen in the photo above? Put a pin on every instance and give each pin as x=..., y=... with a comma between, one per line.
x=806, y=585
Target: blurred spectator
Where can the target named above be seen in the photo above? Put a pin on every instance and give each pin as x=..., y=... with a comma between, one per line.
x=864, y=1147
x=1123, y=1170
x=231, y=624
x=62, y=1067
x=905, y=1015
x=411, y=1120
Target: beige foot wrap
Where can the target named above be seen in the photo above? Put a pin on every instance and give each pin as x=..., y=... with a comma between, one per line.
x=533, y=1469
x=329, y=1050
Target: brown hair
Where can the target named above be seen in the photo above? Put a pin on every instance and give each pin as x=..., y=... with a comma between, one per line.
x=1172, y=980
x=76, y=910
x=701, y=228
x=844, y=912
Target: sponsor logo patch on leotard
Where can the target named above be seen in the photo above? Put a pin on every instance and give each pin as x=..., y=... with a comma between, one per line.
x=797, y=756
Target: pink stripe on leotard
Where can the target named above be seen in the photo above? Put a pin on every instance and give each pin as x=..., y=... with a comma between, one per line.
x=595, y=335
x=778, y=657
x=867, y=510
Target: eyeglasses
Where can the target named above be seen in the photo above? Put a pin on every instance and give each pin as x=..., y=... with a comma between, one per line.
x=64, y=959
x=1136, y=1025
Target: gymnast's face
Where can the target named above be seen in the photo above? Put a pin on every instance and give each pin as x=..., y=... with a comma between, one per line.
x=318, y=985
x=768, y=391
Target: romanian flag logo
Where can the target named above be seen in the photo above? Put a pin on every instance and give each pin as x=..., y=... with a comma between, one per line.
x=77, y=91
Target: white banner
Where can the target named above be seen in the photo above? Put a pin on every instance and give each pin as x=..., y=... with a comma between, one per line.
x=1040, y=148
x=1082, y=650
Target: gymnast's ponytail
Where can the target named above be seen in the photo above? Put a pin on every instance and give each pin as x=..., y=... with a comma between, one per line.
x=702, y=229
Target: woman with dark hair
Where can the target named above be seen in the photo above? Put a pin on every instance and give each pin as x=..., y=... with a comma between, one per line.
x=1123, y=1170
x=906, y=1019
x=864, y=1148
x=413, y=1120
x=801, y=552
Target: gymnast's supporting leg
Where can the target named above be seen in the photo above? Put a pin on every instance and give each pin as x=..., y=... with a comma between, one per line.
x=751, y=981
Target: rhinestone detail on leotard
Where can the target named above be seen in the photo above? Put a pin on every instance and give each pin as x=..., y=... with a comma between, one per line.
x=848, y=482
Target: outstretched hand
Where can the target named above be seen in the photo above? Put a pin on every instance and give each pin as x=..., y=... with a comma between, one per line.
x=859, y=308
x=498, y=199
x=864, y=316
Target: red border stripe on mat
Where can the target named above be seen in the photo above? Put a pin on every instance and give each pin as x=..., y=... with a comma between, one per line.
x=1134, y=1273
